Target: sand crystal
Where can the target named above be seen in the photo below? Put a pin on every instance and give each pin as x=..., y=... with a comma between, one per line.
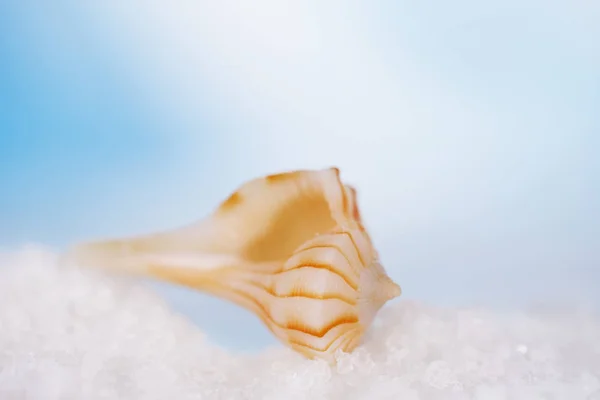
x=71, y=334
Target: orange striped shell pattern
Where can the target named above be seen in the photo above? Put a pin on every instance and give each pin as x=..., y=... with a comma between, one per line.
x=289, y=247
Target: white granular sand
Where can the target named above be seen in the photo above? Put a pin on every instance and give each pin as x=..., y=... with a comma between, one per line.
x=71, y=334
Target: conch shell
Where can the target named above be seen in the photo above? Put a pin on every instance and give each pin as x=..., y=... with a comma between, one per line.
x=289, y=247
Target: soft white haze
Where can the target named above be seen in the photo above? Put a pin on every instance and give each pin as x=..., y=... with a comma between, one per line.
x=468, y=129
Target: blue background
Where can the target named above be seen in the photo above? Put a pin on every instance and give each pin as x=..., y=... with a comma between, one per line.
x=472, y=132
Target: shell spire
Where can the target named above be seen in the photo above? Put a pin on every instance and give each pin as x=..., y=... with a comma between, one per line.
x=289, y=247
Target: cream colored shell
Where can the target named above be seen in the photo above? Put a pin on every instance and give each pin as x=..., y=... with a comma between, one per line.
x=289, y=247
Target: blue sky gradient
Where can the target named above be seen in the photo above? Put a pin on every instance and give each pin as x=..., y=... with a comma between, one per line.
x=71, y=122
x=471, y=130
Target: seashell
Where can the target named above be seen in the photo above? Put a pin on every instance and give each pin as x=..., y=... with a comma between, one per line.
x=289, y=247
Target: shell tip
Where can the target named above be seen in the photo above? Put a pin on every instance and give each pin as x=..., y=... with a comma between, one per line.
x=392, y=290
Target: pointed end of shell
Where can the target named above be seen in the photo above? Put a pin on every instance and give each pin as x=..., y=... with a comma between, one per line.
x=392, y=290
x=80, y=256
x=101, y=255
x=74, y=257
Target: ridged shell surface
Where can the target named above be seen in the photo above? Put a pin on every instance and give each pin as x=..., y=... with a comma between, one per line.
x=289, y=247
